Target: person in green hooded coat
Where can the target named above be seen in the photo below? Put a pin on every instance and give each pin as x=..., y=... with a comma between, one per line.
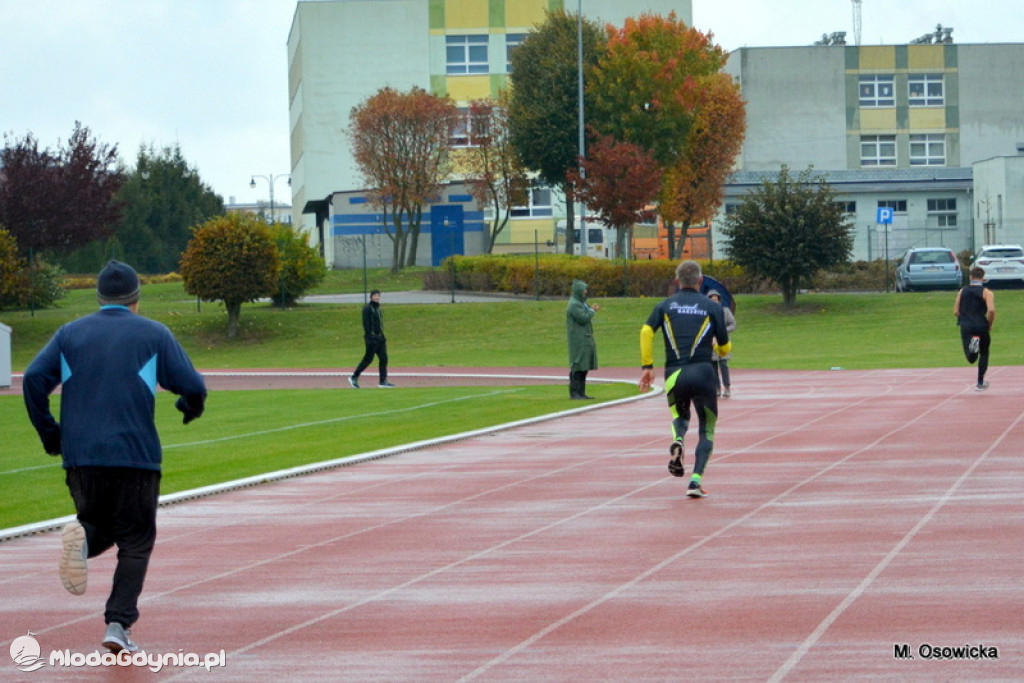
x=582, y=347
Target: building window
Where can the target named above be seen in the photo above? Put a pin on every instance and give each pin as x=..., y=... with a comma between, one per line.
x=877, y=91
x=512, y=41
x=897, y=205
x=878, y=150
x=467, y=129
x=928, y=150
x=539, y=204
x=925, y=90
x=467, y=54
x=942, y=213
x=847, y=206
x=731, y=208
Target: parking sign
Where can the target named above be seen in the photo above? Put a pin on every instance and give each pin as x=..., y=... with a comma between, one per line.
x=884, y=215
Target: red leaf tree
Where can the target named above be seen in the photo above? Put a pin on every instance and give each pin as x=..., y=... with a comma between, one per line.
x=618, y=180
x=58, y=201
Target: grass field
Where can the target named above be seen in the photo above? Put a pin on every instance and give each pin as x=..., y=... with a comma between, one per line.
x=255, y=432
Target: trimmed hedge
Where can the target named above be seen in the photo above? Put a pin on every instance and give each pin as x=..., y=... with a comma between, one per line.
x=551, y=275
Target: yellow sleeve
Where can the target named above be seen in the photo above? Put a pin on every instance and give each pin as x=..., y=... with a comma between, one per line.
x=724, y=350
x=646, y=345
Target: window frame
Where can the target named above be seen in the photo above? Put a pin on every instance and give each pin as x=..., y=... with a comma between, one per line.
x=462, y=54
x=927, y=156
x=868, y=91
x=874, y=144
x=942, y=213
x=512, y=41
x=535, y=206
x=926, y=98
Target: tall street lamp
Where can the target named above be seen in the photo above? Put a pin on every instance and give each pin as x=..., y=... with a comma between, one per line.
x=271, y=179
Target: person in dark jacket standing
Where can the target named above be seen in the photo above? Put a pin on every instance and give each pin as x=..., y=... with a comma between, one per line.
x=376, y=343
x=109, y=365
x=582, y=347
x=975, y=311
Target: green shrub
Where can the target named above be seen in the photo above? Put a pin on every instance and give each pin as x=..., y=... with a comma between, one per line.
x=302, y=269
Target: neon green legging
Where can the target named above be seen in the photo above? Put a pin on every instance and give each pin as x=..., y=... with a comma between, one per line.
x=694, y=383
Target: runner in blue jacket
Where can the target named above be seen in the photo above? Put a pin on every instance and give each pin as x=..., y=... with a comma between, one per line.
x=109, y=365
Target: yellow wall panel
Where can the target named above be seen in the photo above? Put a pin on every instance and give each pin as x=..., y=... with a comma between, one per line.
x=465, y=14
x=466, y=88
x=878, y=119
x=926, y=56
x=934, y=119
x=524, y=13
x=878, y=57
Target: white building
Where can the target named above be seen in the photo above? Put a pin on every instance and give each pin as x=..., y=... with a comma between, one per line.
x=342, y=52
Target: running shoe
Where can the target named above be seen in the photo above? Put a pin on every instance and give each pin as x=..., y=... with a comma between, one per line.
x=119, y=638
x=387, y=385
x=354, y=382
x=981, y=387
x=695, y=490
x=975, y=345
x=74, y=570
x=727, y=392
x=675, y=465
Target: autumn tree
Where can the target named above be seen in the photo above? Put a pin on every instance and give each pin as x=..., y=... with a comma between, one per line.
x=543, y=108
x=55, y=201
x=401, y=143
x=660, y=85
x=617, y=181
x=788, y=229
x=492, y=165
x=231, y=258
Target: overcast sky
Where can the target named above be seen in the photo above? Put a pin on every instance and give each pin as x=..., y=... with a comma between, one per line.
x=212, y=77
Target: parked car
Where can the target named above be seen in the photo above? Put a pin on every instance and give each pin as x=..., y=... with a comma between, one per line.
x=927, y=267
x=1002, y=262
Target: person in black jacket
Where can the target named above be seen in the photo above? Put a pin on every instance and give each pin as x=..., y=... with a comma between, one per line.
x=376, y=343
x=975, y=311
x=109, y=365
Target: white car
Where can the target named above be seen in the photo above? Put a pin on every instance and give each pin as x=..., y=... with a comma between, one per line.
x=1002, y=262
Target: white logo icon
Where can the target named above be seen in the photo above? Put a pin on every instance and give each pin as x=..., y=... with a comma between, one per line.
x=25, y=653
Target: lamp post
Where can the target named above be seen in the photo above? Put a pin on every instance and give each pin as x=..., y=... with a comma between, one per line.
x=271, y=179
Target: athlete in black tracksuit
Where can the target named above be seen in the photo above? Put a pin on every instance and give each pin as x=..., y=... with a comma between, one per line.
x=690, y=323
x=975, y=311
x=376, y=342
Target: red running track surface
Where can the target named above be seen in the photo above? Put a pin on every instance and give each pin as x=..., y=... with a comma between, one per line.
x=858, y=522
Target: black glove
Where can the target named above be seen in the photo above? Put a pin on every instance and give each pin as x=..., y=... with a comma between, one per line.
x=191, y=407
x=51, y=442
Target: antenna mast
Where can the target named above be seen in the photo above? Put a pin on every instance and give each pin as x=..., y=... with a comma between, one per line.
x=856, y=22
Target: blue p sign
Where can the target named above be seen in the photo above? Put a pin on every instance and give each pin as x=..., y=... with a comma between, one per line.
x=884, y=215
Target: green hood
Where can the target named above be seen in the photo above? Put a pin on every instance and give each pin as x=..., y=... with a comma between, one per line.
x=579, y=289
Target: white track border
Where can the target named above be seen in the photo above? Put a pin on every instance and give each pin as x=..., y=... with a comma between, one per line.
x=256, y=480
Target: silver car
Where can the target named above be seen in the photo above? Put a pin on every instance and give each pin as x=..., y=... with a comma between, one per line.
x=1001, y=262
x=928, y=267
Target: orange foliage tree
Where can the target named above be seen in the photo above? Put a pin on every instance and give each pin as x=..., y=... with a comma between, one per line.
x=660, y=85
x=401, y=142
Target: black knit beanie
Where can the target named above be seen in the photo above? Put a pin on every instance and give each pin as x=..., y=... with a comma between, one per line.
x=118, y=284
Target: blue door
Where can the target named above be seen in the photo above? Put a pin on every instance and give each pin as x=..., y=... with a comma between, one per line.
x=446, y=233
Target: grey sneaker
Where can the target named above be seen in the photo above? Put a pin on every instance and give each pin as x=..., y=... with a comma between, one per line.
x=975, y=345
x=980, y=387
x=119, y=638
x=727, y=392
x=74, y=570
x=696, y=490
x=354, y=381
x=387, y=385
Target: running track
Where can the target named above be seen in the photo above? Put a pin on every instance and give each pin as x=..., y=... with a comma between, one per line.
x=851, y=513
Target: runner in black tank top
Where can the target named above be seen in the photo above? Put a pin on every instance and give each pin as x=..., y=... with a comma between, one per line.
x=975, y=311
